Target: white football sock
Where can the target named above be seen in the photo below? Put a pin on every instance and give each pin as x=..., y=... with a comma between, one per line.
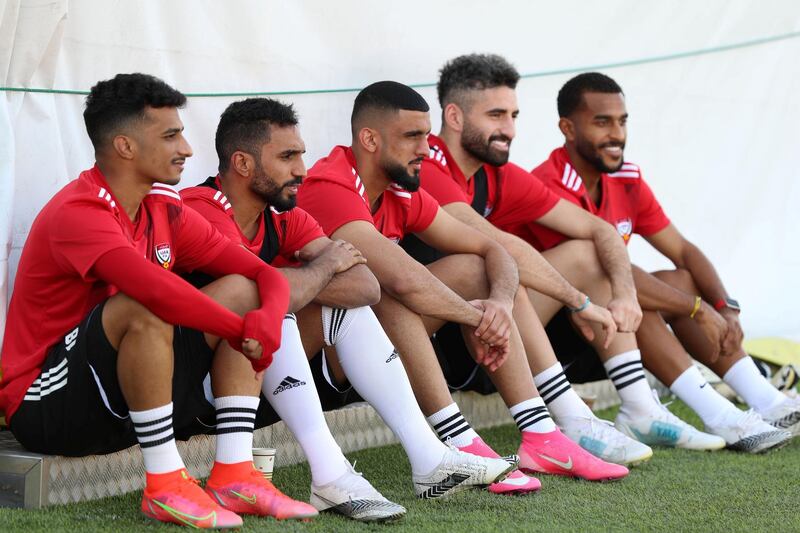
x=693, y=389
x=755, y=390
x=626, y=372
x=451, y=426
x=157, y=440
x=561, y=399
x=289, y=388
x=236, y=419
x=532, y=415
x=377, y=374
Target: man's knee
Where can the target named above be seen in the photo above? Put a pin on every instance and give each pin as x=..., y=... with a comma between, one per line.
x=122, y=315
x=465, y=274
x=680, y=278
x=577, y=259
x=234, y=292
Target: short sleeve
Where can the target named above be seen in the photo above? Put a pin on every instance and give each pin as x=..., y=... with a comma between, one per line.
x=522, y=198
x=301, y=229
x=196, y=241
x=81, y=232
x=650, y=217
x=218, y=218
x=422, y=211
x=332, y=205
x=440, y=184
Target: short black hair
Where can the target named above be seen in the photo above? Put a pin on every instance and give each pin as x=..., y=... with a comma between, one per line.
x=387, y=96
x=113, y=103
x=571, y=94
x=474, y=72
x=245, y=126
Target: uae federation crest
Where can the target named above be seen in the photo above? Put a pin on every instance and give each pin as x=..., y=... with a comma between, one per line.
x=164, y=254
x=624, y=228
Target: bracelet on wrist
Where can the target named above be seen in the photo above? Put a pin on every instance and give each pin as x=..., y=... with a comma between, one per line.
x=697, y=302
x=581, y=308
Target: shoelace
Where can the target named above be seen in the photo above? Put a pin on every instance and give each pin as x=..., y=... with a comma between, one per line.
x=603, y=429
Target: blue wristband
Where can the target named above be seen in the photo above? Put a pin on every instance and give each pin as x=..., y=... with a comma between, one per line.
x=581, y=308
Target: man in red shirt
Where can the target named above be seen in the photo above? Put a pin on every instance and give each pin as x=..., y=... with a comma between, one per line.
x=368, y=194
x=252, y=200
x=469, y=174
x=590, y=171
x=91, y=360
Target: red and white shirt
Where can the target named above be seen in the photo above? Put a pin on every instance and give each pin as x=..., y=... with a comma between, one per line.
x=626, y=201
x=295, y=228
x=55, y=287
x=513, y=196
x=334, y=194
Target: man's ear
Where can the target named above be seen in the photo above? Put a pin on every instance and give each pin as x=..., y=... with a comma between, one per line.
x=243, y=163
x=124, y=146
x=453, y=117
x=369, y=138
x=567, y=128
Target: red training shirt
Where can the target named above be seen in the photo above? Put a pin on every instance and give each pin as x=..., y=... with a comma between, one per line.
x=55, y=287
x=626, y=201
x=334, y=194
x=514, y=197
x=295, y=227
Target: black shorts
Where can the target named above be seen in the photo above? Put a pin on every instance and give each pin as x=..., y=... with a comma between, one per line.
x=76, y=406
x=580, y=361
x=459, y=368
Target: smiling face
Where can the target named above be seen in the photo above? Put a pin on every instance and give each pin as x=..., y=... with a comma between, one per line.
x=160, y=147
x=489, y=124
x=404, y=144
x=598, y=130
x=280, y=169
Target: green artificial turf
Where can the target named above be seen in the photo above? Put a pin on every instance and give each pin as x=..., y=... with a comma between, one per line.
x=676, y=490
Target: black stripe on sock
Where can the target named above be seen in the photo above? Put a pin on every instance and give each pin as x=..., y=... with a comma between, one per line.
x=452, y=427
x=245, y=419
x=235, y=410
x=152, y=422
x=548, y=398
x=621, y=386
x=455, y=433
x=447, y=421
x=530, y=410
x=551, y=380
x=618, y=377
x=624, y=365
x=237, y=429
x=524, y=419
x=523, y=427
x=140, y=434
x=544, y=390
x=158, y=442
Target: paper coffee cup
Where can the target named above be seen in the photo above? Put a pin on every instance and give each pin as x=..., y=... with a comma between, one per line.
x=264, y=460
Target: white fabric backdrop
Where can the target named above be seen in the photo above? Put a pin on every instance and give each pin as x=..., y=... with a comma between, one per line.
x=716, y=134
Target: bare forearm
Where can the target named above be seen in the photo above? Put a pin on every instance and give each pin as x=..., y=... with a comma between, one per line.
x=355, y=287
x=704, y=274
x=306, y=283
x=656, y=295
x=536, y=273
x=431, y=297
x=614, y=259
x=502, y=273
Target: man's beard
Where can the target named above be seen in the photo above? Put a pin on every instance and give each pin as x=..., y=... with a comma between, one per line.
x=591, y=154
x=268, y=190
x=399, y=176
x=474, y=144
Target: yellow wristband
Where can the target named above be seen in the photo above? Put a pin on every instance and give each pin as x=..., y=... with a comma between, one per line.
x=697, y=302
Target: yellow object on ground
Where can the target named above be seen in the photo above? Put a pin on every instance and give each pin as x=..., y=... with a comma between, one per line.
x=774, y=350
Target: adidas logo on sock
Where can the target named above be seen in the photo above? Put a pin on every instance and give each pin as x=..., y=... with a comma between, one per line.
x=288, y=383
x=394, y=355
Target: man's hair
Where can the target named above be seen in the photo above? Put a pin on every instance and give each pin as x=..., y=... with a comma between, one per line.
x=474, y=72
x=386, y=96
x=113, y=104
x=571, y=94
x=245, y=126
